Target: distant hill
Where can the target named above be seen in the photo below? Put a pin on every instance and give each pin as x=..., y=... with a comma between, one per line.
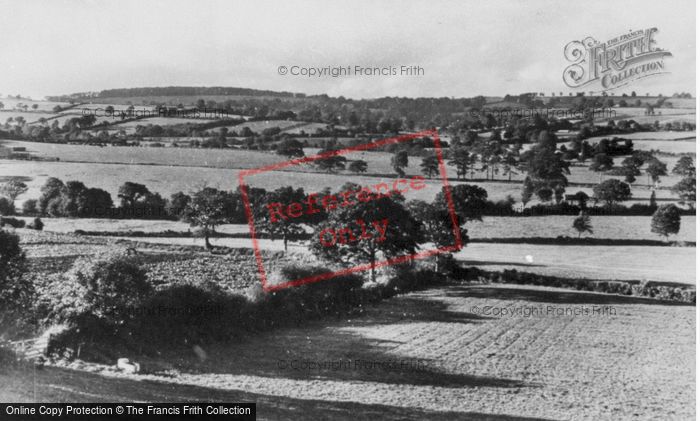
x=179, y=91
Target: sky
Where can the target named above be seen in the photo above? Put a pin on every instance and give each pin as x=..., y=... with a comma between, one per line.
x=465, y=48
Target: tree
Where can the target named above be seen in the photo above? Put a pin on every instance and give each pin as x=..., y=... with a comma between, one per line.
x=177, y=204
x=209, y=208
x=545, y=194
x=582, y=199
x=430, y=166
x=470, y=202
x=666, y=220
x=331, y=162
x=527, y=191
x=358, y=166
x=13, y=189
x=400, y=161
x=601, y=163
x=461, y=159
x=686, y=189
x=656, y=169
x=582, y=223
x=612, y=191
x=130, y=193
x=291, y=148
x=685, y=167
x=276, y=223
x=393, y=232
x=51, y=190
x=437, y=226
x=630, y=169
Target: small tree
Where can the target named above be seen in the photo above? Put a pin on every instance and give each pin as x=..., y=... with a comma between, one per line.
x=400, y=161
x=656, y=169
x=209, y=208
x=612, y=191
x=666, y=220
x=582, y=223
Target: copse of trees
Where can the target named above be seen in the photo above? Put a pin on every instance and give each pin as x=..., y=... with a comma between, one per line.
x=545, y=168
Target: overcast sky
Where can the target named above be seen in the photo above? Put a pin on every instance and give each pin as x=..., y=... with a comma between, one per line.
x=466, y=48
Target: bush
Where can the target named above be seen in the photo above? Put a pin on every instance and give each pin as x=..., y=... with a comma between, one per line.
x=295, y=304
x=187, y=314
x=16, y=290
x=7, y=207
x=37, y=224
x=108, y=287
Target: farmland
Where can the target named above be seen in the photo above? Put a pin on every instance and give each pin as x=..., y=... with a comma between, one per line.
x=525, y=366
x=639, y=360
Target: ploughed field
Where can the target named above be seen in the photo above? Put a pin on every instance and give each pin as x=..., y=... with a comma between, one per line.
x=54, y=253
x=460, y=353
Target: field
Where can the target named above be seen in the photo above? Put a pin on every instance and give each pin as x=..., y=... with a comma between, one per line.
x=203, y=165
x=643, y=263
x=614, y=227
x=635, y=357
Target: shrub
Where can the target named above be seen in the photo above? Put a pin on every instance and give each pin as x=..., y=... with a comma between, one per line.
x=295, y=304
x=108, y=287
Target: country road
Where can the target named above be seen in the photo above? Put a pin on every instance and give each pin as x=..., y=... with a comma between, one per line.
x=460, y=352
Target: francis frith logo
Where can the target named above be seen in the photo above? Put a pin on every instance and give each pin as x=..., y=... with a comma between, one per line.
x=616, y=62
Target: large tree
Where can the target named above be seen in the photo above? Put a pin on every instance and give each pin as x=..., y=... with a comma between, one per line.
x=362, y=233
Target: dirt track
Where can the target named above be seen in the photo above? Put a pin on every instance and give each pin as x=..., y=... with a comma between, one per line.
x=459, y=363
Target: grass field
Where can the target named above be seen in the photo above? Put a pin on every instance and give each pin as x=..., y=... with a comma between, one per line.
x=662, y=264
x=617, y=227
x=635, y=359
